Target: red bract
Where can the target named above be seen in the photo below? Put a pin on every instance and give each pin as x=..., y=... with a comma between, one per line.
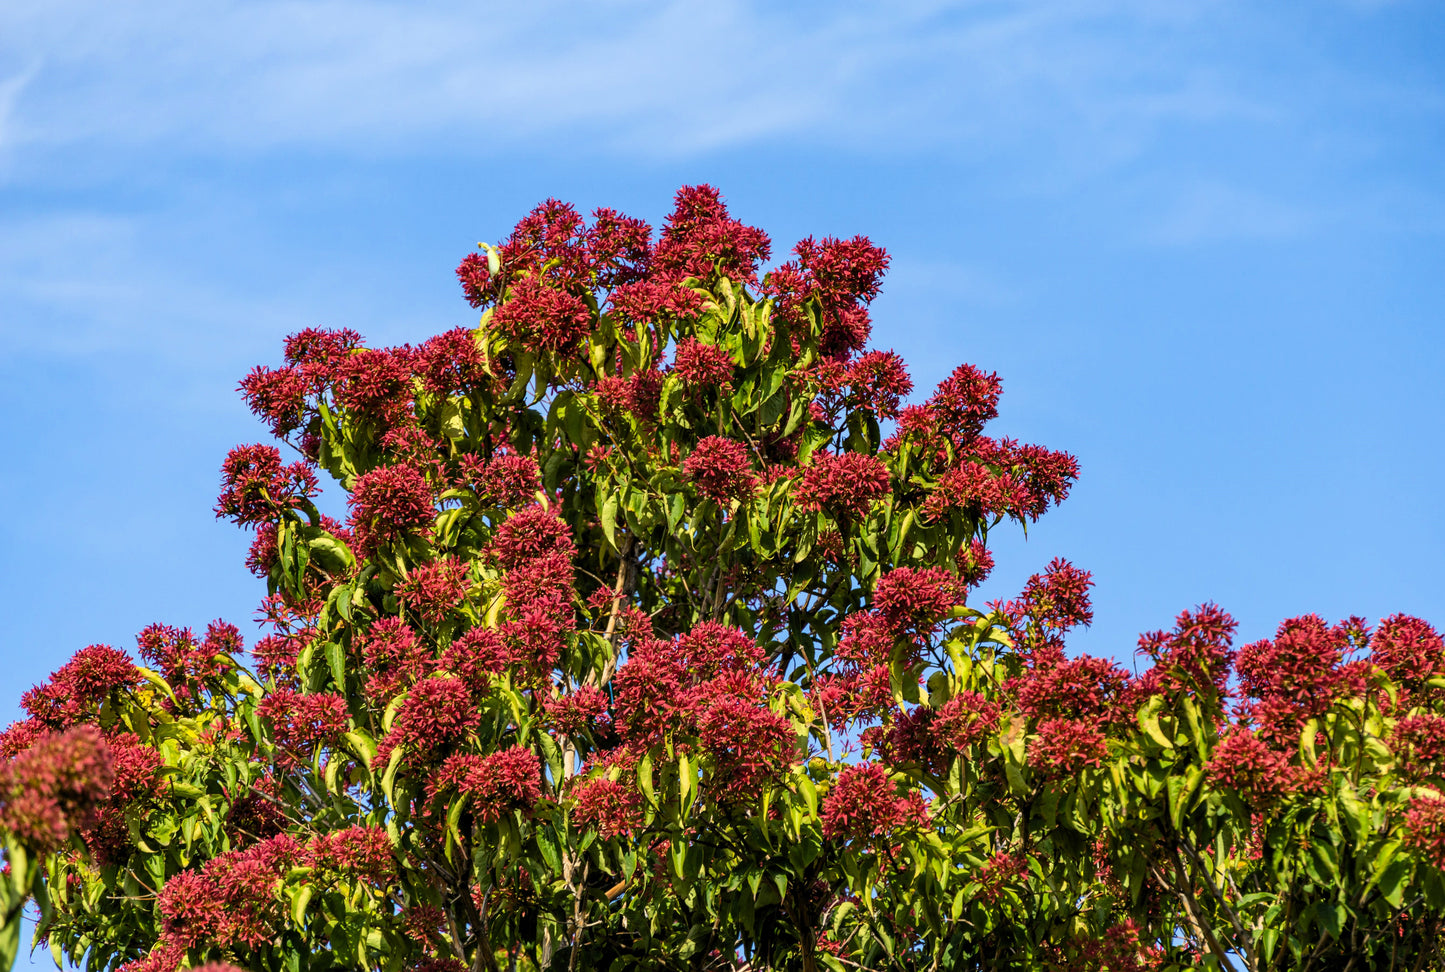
x=257, y=488
x=451, y=363
x=496, y=784
x=77, y=688
x=965, y=720
x=721, y=469
x=701, y=240
x=277, y=396
x=880, y=381
x=843, y=276
x=394, y=658
x=361, y=852
x=1294, y=677
x=1065, y=747
x=1195, y=654
x=539, y=319
x=375, y=386
x=387, y=504
x=1243, y=762
x=55, y=787
x=1408, y=650
x=577, y=711
x=438, y=713
x=528, y=535
x=615, y=810
x=1425, y=829
x=865, y=802
x=703, y=367
x=999, y=873
x=432, y=591
x=914, y=601
x=303, y=721
x=845, y=484
x=476, y=279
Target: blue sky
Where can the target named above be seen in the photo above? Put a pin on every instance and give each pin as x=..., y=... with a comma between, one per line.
x=1202, y=242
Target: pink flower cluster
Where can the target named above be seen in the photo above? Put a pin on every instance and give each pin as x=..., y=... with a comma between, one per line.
x=1244, y=763
x=844, y=484
x=387, y=503
x=256, y=487
x=496, y=784
x=76, y=690
x=56, y=787
x=432, y=591
x=702, y=367
x=1066, y=747
x=865, y=802
x=721, y=469
x=1425, y=829
x=843, y=276
x=302, y=721
x=614, y=809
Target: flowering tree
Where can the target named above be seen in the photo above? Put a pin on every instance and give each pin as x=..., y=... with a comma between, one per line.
x=642, y=646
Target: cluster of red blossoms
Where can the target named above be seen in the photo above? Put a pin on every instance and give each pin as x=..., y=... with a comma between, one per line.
x=865, y=802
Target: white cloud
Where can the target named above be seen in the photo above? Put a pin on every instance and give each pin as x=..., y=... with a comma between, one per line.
x=653, y=78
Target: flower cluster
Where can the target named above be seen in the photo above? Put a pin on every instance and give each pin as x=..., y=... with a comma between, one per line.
x=388, y=503
x=76, y=690
x=358, y=852
x=1425, y=829
x=1244, y=763
x=496, y=784
x=702, y=367
x=999, y=873
x=965, y=719
x=720, y=469
x=1065, y=747
x=614, y=809
x=438, y=712
x=845, y=484
x=1294, y=677
x=433, y=590
x=1196, y=654
x=257, y=488
x=843, y=276
x=56, y=787
x=540, y=318
x=231, y=900
x=865, y=802
x=301, y=722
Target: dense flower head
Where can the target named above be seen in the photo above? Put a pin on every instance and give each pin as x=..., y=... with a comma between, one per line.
x=388, y=503
x=539, y=612
x=178, y=656
x=879, y=382
x=1004, y=870
x=451, y=363
x=497, y=783
x=970, y=487
x=965, y=719
x=1295, y=676
x=721, y=469
x=964, y=403
x=865, y=802
x=1419, y=745
x=614, y=809
x=1054, y=601
x=701, y=239
x=376, y=385
x=530, y=534
x=20, y=736
x=541, y=319
x=1064, y=747
x=620, y=248
x=654, y=299
x=842, y=276
x=1079, y=688
x=913, y=601
x=232, y=899
x=256, y=487
x=867, y=640
x=55, y=787
x=1122, y=949
x=712, y=647
x=134, y=766
x=78, y=687
x=475, y=276
x=577, y=711
x=1408, y=650
x=1425, y=829
x=748, y=745
x=1196, y=653
x=359, y=851
x=975, y=563
x=275, y=655
x=302, y=721
x=1245, y=763
x=845, y=484
x=278, y=396
x=704, y=367
x=432, y=591
x=317, y=347
x=438, y=712
x=509, y=480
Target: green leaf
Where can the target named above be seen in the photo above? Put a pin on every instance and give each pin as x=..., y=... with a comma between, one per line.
x=336, y=658
x=299, y=903
x=608, y=516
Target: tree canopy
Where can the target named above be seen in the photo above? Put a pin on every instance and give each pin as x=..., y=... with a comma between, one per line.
x=648, y=642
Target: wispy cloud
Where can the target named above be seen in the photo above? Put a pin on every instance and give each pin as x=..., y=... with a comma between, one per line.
x=657, y=79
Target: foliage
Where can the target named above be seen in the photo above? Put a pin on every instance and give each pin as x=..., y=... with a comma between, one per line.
x=642, y=647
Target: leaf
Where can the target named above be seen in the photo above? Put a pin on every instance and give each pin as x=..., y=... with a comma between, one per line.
x=608, y=516
x=299, y=903
x=1148, y=718
x=336, y=658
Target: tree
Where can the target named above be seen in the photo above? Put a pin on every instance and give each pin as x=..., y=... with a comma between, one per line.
x=644, y=647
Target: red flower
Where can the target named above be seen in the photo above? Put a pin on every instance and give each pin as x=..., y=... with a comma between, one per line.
x=528, y=535
x=964, y=403
x=913, y=601
x=864, y=802
x=704, y=367
x=1425, y=829
x=56, y=787
x=303, y=721
x=880, y=381
x=577, y=711
x=497, y=783
x=620, y=247
x=1196, y=653
x=432, y=591
x=846, y=484
x=257, y=488
x=1244, y=763
x=1000, y=872
x=721, y=469
x=438, y=712
x=77, y=688
x=964, y=720
x=538, y=318
x=361, y=852
x=376, y=386
x=700, y=239
x=1065, y=747
x=1409, y=650
x=278, y=396
x=388, y=503
x=615, y=810
x=451, y=362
